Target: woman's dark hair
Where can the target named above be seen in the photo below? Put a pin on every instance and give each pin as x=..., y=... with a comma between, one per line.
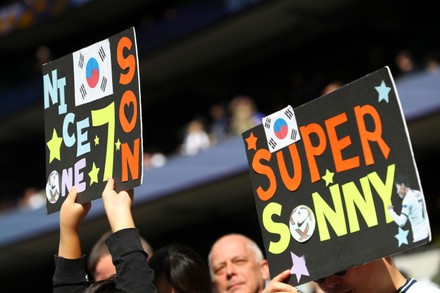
x=182, y=267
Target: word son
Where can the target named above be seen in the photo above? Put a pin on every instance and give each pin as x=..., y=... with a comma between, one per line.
x=76, y=133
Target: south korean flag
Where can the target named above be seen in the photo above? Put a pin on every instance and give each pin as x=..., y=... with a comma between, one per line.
x=281, y=129
x=92, y=73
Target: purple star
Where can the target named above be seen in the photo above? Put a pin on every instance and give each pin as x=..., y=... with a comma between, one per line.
x=299, y=266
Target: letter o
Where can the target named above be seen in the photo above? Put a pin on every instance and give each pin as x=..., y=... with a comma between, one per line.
x=128, y=98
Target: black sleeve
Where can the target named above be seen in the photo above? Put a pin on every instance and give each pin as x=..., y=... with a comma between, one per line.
x=70, y=275
x=133, y=274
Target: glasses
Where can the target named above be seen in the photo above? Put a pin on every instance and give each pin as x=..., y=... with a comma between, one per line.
x=321, y=280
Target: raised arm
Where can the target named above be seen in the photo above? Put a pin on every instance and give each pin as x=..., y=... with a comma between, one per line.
x=118, y=207
x=70, y=274
x=133, y=274
x=71, y=216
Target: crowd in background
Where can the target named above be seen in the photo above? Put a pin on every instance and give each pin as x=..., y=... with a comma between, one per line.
x=218, y=123
x=221, y=121
x=225, y=121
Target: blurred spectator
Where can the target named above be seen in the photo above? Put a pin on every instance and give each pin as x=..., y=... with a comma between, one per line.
x=332, y=86
x=154, y=159
x=405, y=63
x=219, y=128
x=43, y=55
x=244, y=114
x=32, y=199
x=6, y=206
x=431, y=63
x=196, y=138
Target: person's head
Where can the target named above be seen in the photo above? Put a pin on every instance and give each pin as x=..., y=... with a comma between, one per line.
x=103, y=286
x=404, y=61
x=331, y=87
x=379, y=275
x=178, y=268
x=237, y=264
x=402, y=185
x=100, y=263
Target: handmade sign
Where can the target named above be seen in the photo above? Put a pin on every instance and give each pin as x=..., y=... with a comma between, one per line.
x=93, y=121
x=335, y=181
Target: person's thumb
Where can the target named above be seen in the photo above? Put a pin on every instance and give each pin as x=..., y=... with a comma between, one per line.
x=110, y=185
x=72, y=194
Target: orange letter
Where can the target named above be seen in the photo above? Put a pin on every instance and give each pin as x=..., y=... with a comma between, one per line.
x=366, y=136
x=337, y=145
x=125, y=63
x=128, y=98
x=130, y=160
x=292, y=184
x=259, y=168
x=312, y=151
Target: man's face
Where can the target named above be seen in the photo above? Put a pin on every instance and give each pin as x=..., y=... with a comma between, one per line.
x=104, y=268
x=367, y=278
x=235, y=267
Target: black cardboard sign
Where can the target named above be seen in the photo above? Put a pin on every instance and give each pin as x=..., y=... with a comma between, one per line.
x=93, y=121
x=323, y=176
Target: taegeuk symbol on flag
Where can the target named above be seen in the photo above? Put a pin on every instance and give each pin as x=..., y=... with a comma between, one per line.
x=281, y=129
x=92, y=73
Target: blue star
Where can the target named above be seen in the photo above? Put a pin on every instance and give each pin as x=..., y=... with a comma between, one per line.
x=299, y=266
x=402, y=236
x=383, y=91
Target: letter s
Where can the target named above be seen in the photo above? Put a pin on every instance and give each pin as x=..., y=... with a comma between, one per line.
x=259, y=168
x=276, y=228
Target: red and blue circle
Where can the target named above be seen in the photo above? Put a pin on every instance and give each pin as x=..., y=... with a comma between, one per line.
x=92, y=72
x=280, y=128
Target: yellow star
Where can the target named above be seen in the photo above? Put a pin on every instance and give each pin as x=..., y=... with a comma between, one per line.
x=118, y=144
x=96, y=140
x=252, y=142
x=328, y=177
x=93, y=174
x=54, y=145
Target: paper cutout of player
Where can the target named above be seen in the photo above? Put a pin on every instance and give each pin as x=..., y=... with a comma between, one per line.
x=93, y=121
x=324, y=199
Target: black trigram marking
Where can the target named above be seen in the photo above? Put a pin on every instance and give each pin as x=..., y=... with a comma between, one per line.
x=293, y=134
x=288, y=113
x=101, y=53
x=81, y=61
x=82, y=90
x=103, y=83
x=272, y=143
x=267, y=122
